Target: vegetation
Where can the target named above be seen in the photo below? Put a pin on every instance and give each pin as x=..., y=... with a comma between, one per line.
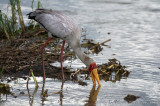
x=14, y=18
x=5, y=26
x=21, y=21
x=9, y=25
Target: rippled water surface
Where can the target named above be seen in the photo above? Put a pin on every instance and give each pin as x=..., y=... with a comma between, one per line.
x=134, y=28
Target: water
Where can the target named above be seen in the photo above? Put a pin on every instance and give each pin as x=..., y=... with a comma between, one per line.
x=134, y=27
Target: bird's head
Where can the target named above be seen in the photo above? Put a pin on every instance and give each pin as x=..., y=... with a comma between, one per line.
x=94, y=74
x=91, y=67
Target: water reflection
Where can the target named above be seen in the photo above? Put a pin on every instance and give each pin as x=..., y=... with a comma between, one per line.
x=1, y=98
x=31, y=97
x=93, y=96
x=61, y=94
x=3, y=93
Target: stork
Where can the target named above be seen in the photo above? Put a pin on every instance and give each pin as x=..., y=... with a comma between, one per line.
x=64, y=27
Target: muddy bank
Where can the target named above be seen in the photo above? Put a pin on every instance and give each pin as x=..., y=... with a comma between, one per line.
x=17, y=60
x=21, y=54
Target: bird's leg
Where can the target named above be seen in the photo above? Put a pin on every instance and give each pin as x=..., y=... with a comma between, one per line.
x=42, y=51
x=61, y=59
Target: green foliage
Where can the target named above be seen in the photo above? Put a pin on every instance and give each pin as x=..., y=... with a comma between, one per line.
x=14, y=18
x=5, y=25
x=8, y=24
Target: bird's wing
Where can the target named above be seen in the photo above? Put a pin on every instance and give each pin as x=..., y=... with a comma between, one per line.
x=54, y=22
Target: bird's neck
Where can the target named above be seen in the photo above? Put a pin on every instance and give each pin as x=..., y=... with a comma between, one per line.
x=74, y=42
x=83, y=57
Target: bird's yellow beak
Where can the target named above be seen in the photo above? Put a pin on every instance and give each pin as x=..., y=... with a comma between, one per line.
x=94, y=75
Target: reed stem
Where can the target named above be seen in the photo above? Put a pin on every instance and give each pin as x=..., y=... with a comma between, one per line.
x=21, y=21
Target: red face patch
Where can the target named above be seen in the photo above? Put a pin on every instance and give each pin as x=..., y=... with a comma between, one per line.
x=92, y=66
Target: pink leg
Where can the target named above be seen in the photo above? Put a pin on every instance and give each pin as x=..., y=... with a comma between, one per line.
x=42, y=51
x=61, y=59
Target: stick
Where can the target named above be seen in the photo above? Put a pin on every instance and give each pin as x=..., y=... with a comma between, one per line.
x=101, y=43
x=109, y=67
x=124, y=72
x=105, y=42
x=77, y=72
x=22, y=67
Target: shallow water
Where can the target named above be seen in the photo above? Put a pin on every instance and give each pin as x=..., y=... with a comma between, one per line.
x=134, y=29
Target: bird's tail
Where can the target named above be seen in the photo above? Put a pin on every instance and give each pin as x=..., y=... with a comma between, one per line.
x=35, y=13
x=31, y=15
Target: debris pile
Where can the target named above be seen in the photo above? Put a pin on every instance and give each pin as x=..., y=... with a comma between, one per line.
x=112, y=71
x=94, y=47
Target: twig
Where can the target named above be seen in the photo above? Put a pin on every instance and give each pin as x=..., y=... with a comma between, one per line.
x=109, y=67
x=101, y=43
x=39, y=32
x=118, y=71
x=105, y=42
x=125, y=72
x=77, y=72
x=22, y=67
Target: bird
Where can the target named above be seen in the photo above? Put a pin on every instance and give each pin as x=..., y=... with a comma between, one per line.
x=57, y=24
